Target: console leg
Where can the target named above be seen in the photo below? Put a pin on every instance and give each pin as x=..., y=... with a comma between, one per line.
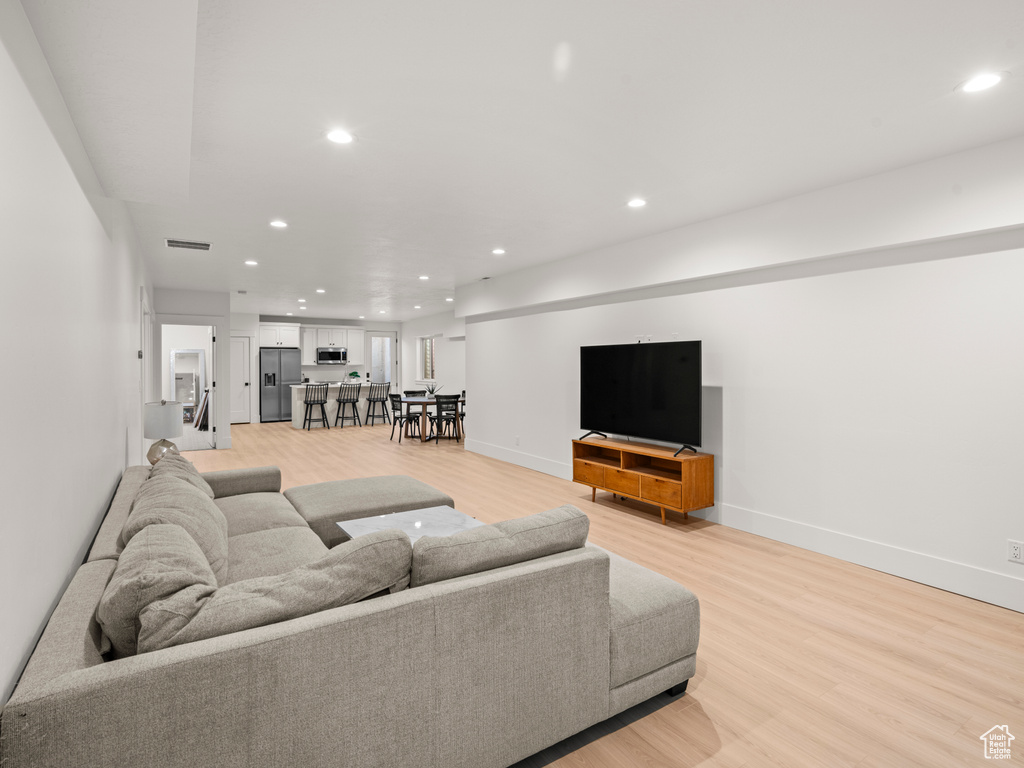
x=593, y=494
x=663, y=516
x=678, y=690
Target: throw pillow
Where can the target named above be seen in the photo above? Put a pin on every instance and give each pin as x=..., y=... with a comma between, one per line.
x=159, y=561
x=436, y=558
x=172, y=500
x=347, y=574
x=176, y=465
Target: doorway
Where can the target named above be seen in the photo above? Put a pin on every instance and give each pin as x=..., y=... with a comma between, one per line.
x=185, y=377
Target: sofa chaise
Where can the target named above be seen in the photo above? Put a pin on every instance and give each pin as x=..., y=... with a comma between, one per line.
x=473, y=650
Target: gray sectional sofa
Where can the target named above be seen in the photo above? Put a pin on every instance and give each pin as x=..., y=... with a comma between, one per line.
x=212, y=626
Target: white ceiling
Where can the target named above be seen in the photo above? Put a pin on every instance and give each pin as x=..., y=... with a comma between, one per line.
x=524, y=125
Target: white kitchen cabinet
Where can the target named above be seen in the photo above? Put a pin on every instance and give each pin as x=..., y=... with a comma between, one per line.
x=309, y=346
x=279, y=335
x=331, y=337
x=356, y=341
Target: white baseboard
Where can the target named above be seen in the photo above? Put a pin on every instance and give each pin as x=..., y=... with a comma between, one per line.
x=528, y=460
x=960, y=578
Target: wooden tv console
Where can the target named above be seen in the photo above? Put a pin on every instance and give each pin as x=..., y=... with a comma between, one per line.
x=649, y=473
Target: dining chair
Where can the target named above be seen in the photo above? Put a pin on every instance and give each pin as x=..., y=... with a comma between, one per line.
x=348, y=394
x=447, y=415
x=378, y=396
x=399, y=419
x=316, y=394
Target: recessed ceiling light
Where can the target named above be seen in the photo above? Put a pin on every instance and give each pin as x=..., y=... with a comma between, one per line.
x=417, y=307
x=320, y=290
x=448, y=298
x=637, y=202
x=278, y=224
x=424, y=277
x=251, y=263
x=362, y=317
x=340, y=136
x=383, y=312
x=982, y=82
x=289, y=314
x=498, y=251
x=302, y=301
x=301, y=307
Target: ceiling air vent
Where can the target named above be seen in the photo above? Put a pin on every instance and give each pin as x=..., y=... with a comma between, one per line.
x=191, y=245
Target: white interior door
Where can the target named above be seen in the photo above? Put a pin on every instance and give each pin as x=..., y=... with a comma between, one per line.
x=381, y=356
x=240, y=384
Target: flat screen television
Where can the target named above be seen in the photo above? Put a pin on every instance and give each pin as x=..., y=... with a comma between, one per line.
x=650, y=391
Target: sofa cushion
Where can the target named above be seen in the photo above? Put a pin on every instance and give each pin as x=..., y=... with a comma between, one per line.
x=258, y=512
x=268, y=553
x=346, y=574
x=654, y=620
x=160, y=560
x=323, y=505
x=176, y=465
x=172, y=500
x=234, y=482
x=436, y=558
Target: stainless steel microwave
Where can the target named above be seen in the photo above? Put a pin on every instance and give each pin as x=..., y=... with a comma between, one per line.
x=331, y=355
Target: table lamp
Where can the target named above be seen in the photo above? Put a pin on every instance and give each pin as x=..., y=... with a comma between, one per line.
x=163, y=420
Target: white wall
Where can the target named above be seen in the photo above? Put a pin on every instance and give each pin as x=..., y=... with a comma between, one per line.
x=450, y=351
x=71, y=280
x=872, y=415
x=177, y=307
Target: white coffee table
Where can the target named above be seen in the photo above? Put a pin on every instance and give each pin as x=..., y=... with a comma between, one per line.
x=431, y=521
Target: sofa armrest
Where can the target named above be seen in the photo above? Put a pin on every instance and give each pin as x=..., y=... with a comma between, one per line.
x=234, y=482
x=517, y=657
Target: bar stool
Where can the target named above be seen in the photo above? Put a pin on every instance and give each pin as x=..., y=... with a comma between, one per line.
x=348, y=394
x=316, y=394
x=378, y=396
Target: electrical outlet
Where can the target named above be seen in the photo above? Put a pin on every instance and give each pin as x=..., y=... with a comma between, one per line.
x=517, y=439
x=1016, y=551
x=639, y=339
x=647, y=337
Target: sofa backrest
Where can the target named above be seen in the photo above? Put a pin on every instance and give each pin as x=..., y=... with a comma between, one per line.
x=107, y=545
x=518, y=656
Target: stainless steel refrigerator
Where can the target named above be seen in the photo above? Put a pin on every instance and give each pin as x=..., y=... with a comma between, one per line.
x=279, y=369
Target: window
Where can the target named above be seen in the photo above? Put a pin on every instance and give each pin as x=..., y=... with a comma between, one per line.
x=428, y=358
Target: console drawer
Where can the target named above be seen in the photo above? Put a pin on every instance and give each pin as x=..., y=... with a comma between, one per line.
x=623, y=482
x=661, y=491
x=585, y=472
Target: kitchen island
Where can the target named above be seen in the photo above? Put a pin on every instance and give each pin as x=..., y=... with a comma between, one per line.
x=299, y=404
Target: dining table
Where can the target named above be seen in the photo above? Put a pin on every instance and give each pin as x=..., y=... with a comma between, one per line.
x=428, y=402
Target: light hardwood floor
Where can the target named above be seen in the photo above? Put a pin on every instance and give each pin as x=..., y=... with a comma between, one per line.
x=804, y=660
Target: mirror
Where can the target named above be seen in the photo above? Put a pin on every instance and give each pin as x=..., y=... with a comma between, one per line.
x=188, y=377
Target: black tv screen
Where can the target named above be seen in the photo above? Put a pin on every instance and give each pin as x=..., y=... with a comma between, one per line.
x=650, y=391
